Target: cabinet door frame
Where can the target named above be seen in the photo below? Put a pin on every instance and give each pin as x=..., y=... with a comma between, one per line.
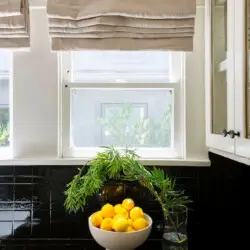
x=242, y=144
x=215, y=140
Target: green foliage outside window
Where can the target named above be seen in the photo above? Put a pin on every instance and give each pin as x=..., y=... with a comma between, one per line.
x=4, y=134
x=125, y=130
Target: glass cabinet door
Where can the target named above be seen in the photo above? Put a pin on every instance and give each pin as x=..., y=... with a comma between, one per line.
x=220, y=74
x=219, y=67
x=242, y=78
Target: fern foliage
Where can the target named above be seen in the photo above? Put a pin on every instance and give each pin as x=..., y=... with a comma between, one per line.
x=122, y=165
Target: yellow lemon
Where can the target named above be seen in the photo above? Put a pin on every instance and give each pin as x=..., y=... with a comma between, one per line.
x=128, y=204
x=117, y=208
x=136, y=213
x=120, y=225
x=107, y=224
x=107, y=211
x=130, y=222
x=123, y=212
x=140, y=224
x=117, y=216
x=98, y=212
x=96, y=219
x=130, y=229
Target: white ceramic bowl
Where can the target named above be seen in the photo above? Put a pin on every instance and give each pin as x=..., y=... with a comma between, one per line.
x=120, y=241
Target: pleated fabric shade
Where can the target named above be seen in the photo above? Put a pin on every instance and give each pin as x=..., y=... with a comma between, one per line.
x=14, y=24
x=122, y=24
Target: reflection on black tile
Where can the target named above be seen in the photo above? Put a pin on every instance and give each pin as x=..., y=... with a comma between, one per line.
x=41, y=193
x=22, y=229
x=40, y=229
x=23, y=180
x=19, y=215
x=41, y=224
x=6, y=179
x=41, y=175
x=5, y=229
x=6, y=196
x=23, y=193
x=6, y=215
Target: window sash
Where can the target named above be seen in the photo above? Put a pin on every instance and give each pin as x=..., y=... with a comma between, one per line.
x=178, y=152
x=6, y=151
x=141, y=77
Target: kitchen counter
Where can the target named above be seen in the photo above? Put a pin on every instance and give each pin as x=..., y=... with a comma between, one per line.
x=77, y=244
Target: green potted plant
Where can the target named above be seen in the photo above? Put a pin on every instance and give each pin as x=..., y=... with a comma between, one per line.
x=124, y=165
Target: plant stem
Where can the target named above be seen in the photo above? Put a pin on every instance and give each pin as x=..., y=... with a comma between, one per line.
x=174, y=226
x=158, y=198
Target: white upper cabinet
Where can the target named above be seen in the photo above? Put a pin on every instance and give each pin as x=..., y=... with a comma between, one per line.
x=228, y=76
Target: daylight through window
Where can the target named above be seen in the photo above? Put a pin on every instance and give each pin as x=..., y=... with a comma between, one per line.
x=4, y=99
x=122, y=99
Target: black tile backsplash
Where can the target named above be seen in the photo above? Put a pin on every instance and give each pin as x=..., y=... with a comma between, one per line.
x=32, y=215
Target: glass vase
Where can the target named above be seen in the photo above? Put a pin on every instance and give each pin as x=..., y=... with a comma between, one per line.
x=175, y=228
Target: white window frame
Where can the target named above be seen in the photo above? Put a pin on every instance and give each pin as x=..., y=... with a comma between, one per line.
x=66, y=85
x=6, y=152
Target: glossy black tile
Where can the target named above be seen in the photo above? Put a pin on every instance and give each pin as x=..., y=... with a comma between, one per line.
x=6, y=196
x=32, y=214
x=22, y=229
x=6, y=179
x=7, y=170
x=23, y=170
x=23, y=194
x=41, y=193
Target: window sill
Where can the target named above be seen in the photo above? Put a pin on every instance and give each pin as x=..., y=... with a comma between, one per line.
x=5, y=153
x=192, y=162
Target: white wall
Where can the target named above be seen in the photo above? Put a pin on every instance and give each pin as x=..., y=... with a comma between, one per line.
x=35, y=113
x=35, y=95
x=195, y=91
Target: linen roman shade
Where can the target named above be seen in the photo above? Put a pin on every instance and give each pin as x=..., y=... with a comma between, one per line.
x=14, y=24
x=122, y=24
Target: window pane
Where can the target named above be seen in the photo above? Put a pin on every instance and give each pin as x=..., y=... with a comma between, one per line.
x=122, y=118
x=4, y=62
x=121, y=66
x=4, y=99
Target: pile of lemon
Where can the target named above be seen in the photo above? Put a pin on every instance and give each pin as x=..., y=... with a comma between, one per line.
x=125, y=217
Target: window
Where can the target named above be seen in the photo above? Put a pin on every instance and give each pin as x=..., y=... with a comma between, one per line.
x=123, y=99
x=4, y=100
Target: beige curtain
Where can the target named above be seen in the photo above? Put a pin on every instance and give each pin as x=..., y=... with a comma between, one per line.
x=14, y=24
x=122, y=24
